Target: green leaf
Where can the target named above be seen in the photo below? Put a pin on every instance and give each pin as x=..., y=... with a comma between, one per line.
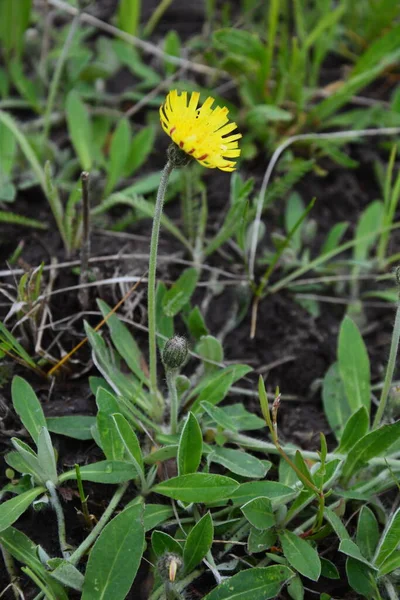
x=46, y=457
x=198, y=543
x=360, y=577
x=295, y=588
x=27, y=407
x=197, y=487
x=391, y=564
x=378, y=50
x=258, y=583
x=390, y=540
x=12, y=509
x=196, y=324
x=142, y=206
x=328, y=569
x=21, y=548
x=371, y=445
x=129, y=15
x=336, y=406
x=161, y=543
x=356, y=427
x=76, y=426
x=129, y=440
x=259, y=513
x=350, y=88
x=243, y=419
x=80, y=129
x=301, y=555
x=368, y=225
x=367, y=533
x=8, y=151
x=334, y=237
x=26, y=148
x=140, y=149
x=259, y=541
x=232, y=223
x=276, y=492
x=6, y=216
x=124, y=342
x=66, y=573
x=219, y=416
x=304, y=470
x=240, y=42
x=26, y=87
x=129, y=56
x=287, y=475
x=162, y=454
x=262, y=114
x=239, y=462
x=350, y=548
x=26, y=552
x=110, y=440
x=190, y=446
x=115, y=557
x=23, y=461
x=119, y=151
x=154, y=514
x=336, y=524
x=354, y=365
x=293, y=213
x=14, y=20
x=215, y=387
x=181, y=292
x=106, y=401
x=172, y=46
x=326, y=22
x=104, y=471
x=210, y=349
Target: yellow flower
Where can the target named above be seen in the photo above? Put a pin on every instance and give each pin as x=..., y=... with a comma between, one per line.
x=201, y=132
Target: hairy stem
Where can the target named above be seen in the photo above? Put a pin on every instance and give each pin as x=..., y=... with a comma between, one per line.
x=390, y=369
x=91, y=538
x=151, y=299
x=173, y=396
x=55, y=503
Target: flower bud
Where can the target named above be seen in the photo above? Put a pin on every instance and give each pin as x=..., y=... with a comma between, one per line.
x=177, y=157
x=169, y=565
x=175, y=352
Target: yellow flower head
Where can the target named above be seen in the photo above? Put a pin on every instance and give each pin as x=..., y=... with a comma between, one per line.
x=201, y=132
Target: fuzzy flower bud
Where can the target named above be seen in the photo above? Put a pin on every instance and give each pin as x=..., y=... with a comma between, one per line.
x=169, y=565
x=175, y=352
x=177, y=157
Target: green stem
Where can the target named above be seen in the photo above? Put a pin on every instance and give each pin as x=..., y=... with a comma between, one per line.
x=83, y=498
x=390, y=369
x=173, y=396
x=48, y=594
x=156, y=16
x=152, y=281
x=87, y=542
x=55, y=502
